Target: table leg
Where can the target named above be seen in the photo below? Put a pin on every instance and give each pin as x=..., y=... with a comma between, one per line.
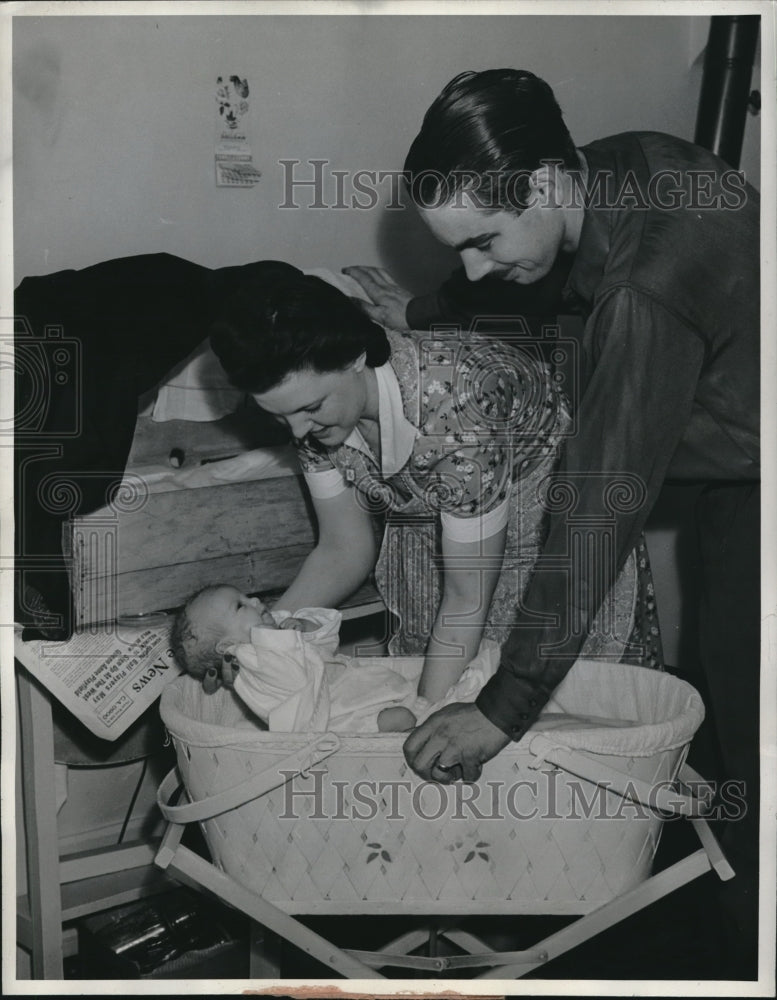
x=40, y=827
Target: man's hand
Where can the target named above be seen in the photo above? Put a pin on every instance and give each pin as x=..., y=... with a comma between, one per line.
x=389, y=301
x=453, y=744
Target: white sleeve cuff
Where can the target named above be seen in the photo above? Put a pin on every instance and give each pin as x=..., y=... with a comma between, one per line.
x=329, y=483
x=474, y=529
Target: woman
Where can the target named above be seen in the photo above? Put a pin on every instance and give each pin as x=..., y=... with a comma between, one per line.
x=453, y=439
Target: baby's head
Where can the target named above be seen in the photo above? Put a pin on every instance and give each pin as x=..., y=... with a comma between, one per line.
x=211, y=621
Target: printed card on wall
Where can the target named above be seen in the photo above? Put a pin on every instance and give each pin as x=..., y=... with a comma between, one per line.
x=234, y=159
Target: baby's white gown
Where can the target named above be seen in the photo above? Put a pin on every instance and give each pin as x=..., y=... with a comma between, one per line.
x=298, y=682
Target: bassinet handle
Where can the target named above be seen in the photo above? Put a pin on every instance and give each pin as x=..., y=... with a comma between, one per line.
x=662, y=797
x=259, y=784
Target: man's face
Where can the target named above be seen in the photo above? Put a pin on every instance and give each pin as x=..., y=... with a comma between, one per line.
x=519, y=248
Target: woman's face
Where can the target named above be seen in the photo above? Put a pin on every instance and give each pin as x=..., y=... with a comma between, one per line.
x=327, y=405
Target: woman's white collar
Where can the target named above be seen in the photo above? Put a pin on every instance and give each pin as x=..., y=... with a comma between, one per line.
x=397, y=434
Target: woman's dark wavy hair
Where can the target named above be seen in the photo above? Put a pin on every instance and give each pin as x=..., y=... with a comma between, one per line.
x=282, y=321
x=486, y=133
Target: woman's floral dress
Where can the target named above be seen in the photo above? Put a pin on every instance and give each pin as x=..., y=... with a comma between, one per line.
x=490, y=420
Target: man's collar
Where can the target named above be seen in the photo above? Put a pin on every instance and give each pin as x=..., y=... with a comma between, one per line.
x=593, y=248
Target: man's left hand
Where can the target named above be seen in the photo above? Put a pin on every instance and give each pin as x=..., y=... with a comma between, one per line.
x=453, y=744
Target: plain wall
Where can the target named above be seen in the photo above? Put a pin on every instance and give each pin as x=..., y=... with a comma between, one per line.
x=114, y=126
x=115, y=122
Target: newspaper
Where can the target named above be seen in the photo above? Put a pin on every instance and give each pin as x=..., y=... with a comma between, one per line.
x=107, y=676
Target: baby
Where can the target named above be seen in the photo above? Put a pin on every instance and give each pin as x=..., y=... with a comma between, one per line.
x=220, y=619
x=216, y=618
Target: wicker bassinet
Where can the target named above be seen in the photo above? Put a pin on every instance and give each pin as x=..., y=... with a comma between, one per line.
x=559, y=823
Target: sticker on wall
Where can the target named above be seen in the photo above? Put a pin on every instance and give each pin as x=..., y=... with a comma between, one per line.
x=234, y=160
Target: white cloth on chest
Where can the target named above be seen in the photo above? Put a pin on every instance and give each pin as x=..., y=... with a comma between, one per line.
x=297, y=681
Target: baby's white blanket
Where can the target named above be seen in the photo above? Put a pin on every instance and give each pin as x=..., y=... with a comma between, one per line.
x=298, y=682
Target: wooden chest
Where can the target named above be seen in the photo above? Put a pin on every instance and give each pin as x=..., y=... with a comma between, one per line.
x=147, y=551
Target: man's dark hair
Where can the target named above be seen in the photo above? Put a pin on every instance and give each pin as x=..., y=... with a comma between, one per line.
x=486, y=133
x=283, y=321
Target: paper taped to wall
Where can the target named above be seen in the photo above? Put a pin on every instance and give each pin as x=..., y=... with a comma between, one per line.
x=233, y=173
x=107, y=677
x=234, y=159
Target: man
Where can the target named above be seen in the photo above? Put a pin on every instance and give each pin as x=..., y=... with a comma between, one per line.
x=663, y=240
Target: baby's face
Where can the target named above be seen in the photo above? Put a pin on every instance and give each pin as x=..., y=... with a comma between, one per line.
x=230, y=614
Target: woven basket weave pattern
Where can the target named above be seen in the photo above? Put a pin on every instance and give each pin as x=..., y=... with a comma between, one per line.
x=346, y=848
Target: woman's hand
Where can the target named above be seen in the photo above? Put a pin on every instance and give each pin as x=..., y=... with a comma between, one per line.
x=389, y=301
x=299, y=625
x=453, y=744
